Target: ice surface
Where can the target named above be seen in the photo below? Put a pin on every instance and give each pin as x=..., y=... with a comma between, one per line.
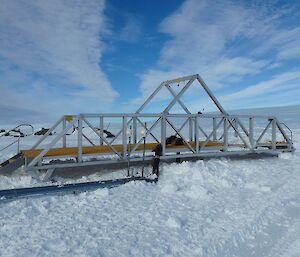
x=205, y=208
x=293, y=250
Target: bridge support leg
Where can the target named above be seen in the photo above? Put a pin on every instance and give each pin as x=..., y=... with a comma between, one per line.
x=214, y=129
x=64, y=138
x=101, y=130
x=48, y=175
x=251, y=133
x=273, y=134
x=190, y=129
x=196, y=134
x=225, y=147
x=124, y=137
x=134, y=130
x=163, y=134
x=79, y=140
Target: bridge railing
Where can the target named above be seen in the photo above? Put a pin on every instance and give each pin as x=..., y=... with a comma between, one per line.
x=197, y=131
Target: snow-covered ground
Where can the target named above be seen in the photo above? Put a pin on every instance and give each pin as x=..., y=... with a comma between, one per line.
x=206, y=208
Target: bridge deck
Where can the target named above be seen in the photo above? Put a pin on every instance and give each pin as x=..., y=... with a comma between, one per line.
x=105, y=149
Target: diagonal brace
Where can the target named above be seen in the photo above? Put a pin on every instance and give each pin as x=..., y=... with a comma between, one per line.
x=178, y=100
x=54, y=141
x=147, y=129
x=177, y=97
x=146, y=134
x=211, y=134
x=103, y=138
x=187, y=143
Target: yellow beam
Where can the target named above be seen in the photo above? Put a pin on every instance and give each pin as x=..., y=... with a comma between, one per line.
x=72, y=151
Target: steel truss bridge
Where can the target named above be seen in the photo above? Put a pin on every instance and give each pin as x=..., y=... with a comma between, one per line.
x=202, y=135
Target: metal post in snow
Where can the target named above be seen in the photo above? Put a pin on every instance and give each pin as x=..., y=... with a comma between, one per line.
x=163, y=134
x=143, y=133
x=64, y=137
x=196, y=134
x=251, y=133
x=274, y=134
x=101, y=129
x=214, y=128
x=79, y=138
x=225, y=134
x=124, y=137
x=190, y=129
x=129, y=134
x=18, y=147
x=134, y=129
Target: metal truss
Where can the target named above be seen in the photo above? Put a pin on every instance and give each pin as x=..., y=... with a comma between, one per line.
x=198, y=146
x=176, y=97
x=237, y=134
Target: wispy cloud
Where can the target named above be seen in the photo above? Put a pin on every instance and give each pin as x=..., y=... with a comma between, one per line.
x=227, y=42
x=55, y=47
x=132, y=30
x=283, y=82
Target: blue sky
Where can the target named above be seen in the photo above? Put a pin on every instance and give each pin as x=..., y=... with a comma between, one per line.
x=62, y=56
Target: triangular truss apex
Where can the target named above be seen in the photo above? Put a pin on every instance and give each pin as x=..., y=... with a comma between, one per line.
x=168, y=84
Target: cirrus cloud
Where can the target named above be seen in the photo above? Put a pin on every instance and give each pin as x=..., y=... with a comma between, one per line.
x=50, y=53
x=230, y=43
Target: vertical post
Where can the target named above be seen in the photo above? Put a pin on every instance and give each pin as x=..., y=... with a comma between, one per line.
x=124, y=136
x=196, y=134
x=79, y=154
x=64, y=137
x=134, y=131
x=214, y=128
x=274, y=134
x=144, y=148
x=191, y=129
x=18, y=149
x=225, y=134
x=251, y=133
x=129, y=134
x=163, y=133
x=101, y=126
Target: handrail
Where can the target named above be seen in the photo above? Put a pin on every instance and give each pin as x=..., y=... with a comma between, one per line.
x=21, y=135
x=173, y=115
x=15, y=129
x=18, y=140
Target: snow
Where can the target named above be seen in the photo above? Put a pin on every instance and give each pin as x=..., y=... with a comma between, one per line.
x=293, y=250
x=210, y=208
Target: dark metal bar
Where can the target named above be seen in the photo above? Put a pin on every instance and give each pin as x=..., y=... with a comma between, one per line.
x=73, y=188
